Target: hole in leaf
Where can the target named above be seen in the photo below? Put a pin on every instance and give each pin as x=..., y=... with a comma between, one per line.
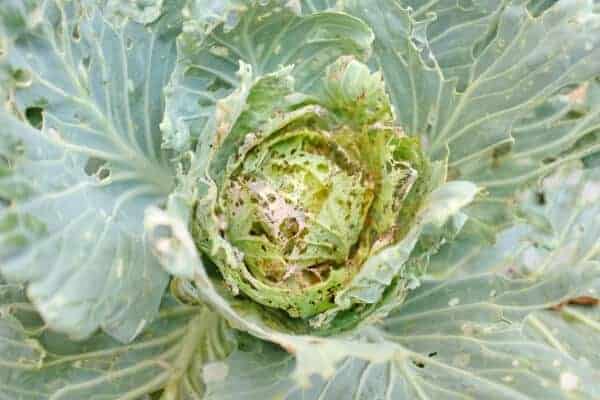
x=85, y=61
x=22, y=78
x=103, y=174
x=540, y=198
x=257, y=229
x=217, y=84
x=93, y=165
x=35, y=116
x=289, y=227
x=574, y=114
x=75, y=34
x=97, y=167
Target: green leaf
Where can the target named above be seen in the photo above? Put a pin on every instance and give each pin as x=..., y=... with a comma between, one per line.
x=140, y=11
x=311, y=6
x=458, y=37
x=560, y=130
x=264, y=38
x=36, y=363
x=353, y=92
x=555, y=107
x=457, y=339
x=571, y=329
x=77, y=191
x=458, y=32
x=560, y=227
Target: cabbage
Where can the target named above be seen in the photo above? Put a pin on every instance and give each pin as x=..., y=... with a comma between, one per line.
x=305, y=199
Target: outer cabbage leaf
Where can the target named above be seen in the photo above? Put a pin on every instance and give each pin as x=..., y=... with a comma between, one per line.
x=38, y=364
x=571, y=329
x=77, y=188
x=457, y=31
x=460, y=30
x=310, y=6
x=265, y=38
x=560, y=225
x=203, y=16
x=118, y=12
x=562, y=129
x=458, y=339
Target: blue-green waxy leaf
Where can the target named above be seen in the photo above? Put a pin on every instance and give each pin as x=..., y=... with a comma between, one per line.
x=499, y=90
x=458, y=32
x=203, y=16
x=141, y=11
x=542, y=240
x=470, y=338
x=77, y=188
x=265, y=39
x=39, y=364
x=310, y=6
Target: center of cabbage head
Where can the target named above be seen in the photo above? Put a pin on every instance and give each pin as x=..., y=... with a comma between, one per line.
x=296, y=208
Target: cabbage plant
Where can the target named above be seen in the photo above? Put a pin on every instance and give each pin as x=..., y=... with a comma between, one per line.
x=300, y=199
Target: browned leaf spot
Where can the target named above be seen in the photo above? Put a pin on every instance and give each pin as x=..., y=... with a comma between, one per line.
x=587, y=301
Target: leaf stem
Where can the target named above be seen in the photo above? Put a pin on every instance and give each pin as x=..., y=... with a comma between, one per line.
x=188, y=350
